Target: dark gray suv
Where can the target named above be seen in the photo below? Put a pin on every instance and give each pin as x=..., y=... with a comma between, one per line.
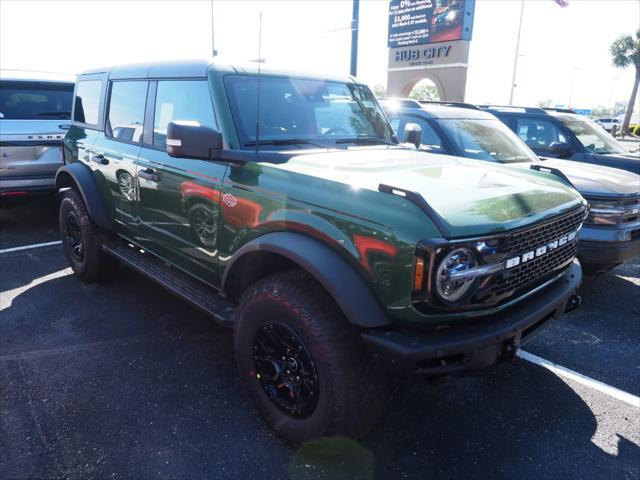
x=611, y=233
x=34, y=116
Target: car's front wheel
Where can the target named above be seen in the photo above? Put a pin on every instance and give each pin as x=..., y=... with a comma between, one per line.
x=82, y=240
x=305, y=367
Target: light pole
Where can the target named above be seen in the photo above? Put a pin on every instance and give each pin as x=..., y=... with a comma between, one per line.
x=354, y=37
x=214, y=52
x=573, y=78
x=517, y=54
x=613, y=87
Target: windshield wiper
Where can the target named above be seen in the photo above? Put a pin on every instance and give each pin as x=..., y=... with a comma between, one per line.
x=52, y=114
x=365, y=140
x=282, y=141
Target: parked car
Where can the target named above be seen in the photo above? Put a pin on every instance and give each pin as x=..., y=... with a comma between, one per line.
x=34, y=116
x=609, y=123
x=611, y=233
x=566, y=135
x=338, y=256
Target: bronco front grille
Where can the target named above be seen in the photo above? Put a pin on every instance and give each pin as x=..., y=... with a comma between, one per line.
x=530, y=270
x=537, y=270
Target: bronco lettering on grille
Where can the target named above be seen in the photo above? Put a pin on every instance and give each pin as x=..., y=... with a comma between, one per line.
x=541, y=250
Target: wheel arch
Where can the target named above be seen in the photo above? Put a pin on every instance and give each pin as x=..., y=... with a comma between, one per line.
x=279, y=251
x=79, y=177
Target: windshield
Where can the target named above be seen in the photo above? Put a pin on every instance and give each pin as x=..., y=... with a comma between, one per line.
x=487, y=140
x=20, y=100
x=297, y=112
x=593, y=137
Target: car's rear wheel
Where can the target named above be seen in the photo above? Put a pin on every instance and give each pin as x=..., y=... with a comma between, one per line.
x=305, y=367
x=82, y=240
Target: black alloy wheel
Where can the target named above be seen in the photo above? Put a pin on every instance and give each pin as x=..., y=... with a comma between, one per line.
x=73, y=237
x=286, y=370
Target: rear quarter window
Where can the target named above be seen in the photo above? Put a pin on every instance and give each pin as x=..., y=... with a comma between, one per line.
x=87, y=105
x=23, y=100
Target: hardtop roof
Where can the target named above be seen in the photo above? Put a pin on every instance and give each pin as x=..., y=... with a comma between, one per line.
x=199, y=68
x=444, y=112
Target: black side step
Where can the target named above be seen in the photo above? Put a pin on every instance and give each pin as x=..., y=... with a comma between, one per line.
x=198, y=294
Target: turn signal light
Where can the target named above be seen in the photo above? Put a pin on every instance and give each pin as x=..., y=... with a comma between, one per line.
x=418, y=274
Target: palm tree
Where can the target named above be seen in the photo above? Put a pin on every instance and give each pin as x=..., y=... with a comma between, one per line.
x=625, y=52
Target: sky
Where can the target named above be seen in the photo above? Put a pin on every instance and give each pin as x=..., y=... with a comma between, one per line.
x=557, y=44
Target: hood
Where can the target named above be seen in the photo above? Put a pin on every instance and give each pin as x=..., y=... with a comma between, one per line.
x=629, y=161
x=596, y=180
x=473, y=198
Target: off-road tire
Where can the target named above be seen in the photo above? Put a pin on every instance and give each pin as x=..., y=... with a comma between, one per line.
x=351, y=390
x=95, y=265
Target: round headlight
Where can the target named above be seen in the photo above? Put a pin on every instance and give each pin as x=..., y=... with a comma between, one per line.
x=452, y=289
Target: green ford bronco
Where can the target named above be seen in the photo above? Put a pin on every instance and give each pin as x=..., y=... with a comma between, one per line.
x=284, y=206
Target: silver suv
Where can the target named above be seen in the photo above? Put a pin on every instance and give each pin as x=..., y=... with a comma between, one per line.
x=34, y=116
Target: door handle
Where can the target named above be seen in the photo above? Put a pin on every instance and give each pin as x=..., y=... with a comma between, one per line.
x=99, y=158
x=149, y=174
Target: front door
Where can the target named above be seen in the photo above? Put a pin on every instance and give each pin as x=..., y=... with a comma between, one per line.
x=180, y=197
x=116, y=150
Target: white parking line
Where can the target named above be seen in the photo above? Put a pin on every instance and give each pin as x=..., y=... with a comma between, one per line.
x=7, y=297
x=581, y=379
x=27, y=247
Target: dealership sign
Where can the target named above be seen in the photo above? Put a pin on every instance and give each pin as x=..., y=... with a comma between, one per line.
x=419, y=22
x=441, y=54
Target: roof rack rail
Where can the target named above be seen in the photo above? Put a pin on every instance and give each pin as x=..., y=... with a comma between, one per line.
x=514, y=108
x=470, y=106
x=402, y=102
x=559, y=110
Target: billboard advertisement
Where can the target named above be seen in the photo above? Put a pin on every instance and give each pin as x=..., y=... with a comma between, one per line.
x=416, y=22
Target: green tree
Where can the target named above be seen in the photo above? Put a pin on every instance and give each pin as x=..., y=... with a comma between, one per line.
x=547, y=102
x=625, y=52
x=379, y=91
x=424, y=91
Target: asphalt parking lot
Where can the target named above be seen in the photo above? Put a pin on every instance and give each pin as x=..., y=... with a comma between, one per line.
x=125, y=381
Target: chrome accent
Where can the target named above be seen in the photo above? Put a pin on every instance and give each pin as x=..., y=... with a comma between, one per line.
x=476, y=271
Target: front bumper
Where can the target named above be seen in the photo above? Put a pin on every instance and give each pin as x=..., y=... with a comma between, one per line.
x=601, y=248
x=478, y=345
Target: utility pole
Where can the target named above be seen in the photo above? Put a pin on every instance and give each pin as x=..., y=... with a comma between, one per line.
x=515, y=58
x=214, y=52
x=354, y=37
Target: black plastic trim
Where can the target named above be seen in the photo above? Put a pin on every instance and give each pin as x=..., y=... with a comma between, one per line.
x=404, y=350
x=553, y=171
x=419, y=200
x=344, y=284
x=83, y=177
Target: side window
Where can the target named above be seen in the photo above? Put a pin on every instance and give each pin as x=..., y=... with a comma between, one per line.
x=430, y=139
x=539, y=134
x=126, y=110
x=181, y=100
x=87, y=106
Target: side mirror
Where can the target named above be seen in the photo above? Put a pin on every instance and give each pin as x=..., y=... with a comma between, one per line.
x=562, y=150
x=191, y=140
x=413, y=134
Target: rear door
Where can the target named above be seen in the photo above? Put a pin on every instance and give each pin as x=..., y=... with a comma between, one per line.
x=115, y=152
x=34, y=117
x=180, y=197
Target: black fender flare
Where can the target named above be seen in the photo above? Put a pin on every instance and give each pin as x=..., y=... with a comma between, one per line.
x=83, y=178
x=341, y=280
